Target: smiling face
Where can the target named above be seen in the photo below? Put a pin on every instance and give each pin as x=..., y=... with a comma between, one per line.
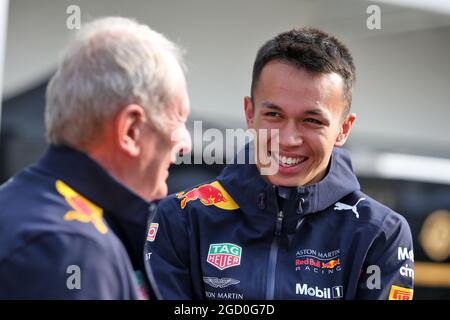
x=309, y=112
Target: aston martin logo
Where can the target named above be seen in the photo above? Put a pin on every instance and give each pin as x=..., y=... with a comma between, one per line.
x=220, y=282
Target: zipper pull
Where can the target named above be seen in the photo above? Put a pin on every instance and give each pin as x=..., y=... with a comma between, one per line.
x=279, y=225
x=300, y=206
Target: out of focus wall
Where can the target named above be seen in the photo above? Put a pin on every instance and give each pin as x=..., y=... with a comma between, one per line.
x=403, y=70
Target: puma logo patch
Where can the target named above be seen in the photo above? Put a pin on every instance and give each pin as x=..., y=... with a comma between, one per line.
x=344, y=206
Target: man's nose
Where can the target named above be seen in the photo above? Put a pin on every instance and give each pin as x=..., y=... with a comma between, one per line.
x=291, y=135
x=181, y=141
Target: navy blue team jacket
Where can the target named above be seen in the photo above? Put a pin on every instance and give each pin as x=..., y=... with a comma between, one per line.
x=69, y=230
x=233, y=239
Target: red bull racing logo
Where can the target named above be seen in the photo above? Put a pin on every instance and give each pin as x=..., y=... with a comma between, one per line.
x=209, y=194
x=83, y=210
x=224, y=255
x=318, y=264
x=326, y=262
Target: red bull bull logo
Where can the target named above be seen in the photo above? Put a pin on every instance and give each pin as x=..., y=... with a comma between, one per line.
x=209, y=194
x=83, y=210
x=331, y=264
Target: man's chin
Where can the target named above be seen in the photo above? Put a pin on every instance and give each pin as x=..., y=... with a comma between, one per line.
x=282, y=181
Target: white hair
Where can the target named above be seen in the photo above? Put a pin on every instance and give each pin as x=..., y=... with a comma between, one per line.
x=112, y=62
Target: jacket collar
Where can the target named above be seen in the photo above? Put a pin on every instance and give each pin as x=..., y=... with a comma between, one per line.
x=125, y=212
x=257, y=197
x=88, y=178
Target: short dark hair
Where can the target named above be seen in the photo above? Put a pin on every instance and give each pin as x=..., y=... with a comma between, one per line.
x=310, y=49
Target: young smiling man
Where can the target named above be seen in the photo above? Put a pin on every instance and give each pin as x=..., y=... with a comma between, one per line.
x=305, y=231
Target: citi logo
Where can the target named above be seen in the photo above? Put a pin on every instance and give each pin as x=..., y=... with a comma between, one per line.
x=405, y=271
x=325, y=293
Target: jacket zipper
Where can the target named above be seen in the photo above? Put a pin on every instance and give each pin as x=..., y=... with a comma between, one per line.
x=271, y=270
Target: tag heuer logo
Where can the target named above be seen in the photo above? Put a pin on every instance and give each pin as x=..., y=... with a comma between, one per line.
x=224, y=255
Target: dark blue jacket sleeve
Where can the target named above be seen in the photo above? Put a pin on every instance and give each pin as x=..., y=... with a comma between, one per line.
x=388, y=272
x=167, y=256
x=64, y=266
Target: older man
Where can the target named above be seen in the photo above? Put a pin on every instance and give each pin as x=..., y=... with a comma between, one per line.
x=72, y=226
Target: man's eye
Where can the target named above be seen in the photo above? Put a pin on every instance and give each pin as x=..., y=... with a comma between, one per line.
x=312, y=120
x=272, y=114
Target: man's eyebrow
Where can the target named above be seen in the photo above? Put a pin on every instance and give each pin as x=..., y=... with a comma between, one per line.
x=313, y=111
x=316, y=112
x=271, y=105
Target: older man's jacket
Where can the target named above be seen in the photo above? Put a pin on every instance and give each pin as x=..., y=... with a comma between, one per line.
x=69, y=230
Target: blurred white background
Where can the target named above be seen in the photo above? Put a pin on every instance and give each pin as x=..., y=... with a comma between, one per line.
x=403, y=71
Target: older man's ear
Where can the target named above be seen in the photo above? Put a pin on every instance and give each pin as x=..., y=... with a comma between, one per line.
x=129, y=127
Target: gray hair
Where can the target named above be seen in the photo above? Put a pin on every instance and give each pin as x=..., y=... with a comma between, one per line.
x=112, y=62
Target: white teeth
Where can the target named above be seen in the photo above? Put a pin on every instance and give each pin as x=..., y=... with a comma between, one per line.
x=288, y=161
